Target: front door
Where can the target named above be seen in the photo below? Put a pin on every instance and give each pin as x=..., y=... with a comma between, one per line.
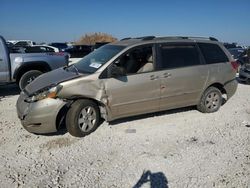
x=138, y=91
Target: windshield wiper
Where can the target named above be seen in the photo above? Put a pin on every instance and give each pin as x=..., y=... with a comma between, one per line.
x=75, y=68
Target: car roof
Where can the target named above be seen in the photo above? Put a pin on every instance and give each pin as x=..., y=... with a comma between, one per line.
x=153, y=39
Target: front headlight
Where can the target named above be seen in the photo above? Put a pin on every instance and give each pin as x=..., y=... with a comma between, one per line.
x=50, y=93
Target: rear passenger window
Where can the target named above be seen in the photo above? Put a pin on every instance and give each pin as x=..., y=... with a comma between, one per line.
x=175, y=56
x=213, y=53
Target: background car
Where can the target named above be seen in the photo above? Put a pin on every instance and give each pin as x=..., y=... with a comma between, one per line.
x=60, y=45
x=78, y=51
x=23, y=43
x=230, y=45
x=239, y=54
x=41, y=48
x=23, y=68
x=98, y=45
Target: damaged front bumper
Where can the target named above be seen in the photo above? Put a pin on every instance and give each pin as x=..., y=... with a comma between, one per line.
x=39, y=117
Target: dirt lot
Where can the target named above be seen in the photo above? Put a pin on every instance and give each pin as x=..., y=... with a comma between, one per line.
x=178, y=148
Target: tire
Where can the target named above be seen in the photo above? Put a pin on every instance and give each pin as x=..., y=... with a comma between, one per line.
x=82, y=118
x=28, y=77
x=211, y=100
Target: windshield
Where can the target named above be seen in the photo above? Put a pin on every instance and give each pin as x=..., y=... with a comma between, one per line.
x=94, y=60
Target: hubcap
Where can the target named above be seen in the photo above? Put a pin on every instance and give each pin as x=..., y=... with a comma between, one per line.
x=31, y=79
x=87, y=119
x=212, y=100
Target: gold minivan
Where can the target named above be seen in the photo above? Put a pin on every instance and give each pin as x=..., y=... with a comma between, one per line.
x=126, y=78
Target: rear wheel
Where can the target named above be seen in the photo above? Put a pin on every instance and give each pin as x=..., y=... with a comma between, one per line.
x=82, y=118
x=28, y=77
x=211, y=100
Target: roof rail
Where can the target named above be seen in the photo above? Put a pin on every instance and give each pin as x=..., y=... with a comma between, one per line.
x=188, y=37
x=204, y=38
x=213, y=39
x=172, y=37
x=141, y=38
x=127, y=38
x=146, y=38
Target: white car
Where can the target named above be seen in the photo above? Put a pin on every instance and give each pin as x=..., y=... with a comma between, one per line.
x=21, y=43
x=46, y=48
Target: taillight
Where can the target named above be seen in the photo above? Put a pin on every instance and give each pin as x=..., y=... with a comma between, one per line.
x=235, y=65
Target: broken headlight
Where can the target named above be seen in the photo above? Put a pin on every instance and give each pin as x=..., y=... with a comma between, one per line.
x=49, y=93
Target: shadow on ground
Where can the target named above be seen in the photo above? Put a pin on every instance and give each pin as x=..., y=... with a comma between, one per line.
x=156, y=180
x=149, y=115
x=8, y=90
x=60, y=132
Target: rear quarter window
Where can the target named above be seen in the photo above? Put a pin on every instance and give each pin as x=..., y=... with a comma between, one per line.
x=213, y=53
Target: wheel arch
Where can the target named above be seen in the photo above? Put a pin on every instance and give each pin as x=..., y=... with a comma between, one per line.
x=61, y=115
x=219, y=86
x=33, y=65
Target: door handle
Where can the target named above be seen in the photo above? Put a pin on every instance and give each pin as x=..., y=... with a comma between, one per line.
x=1, y=59
x=153, y=77
x=167, y=75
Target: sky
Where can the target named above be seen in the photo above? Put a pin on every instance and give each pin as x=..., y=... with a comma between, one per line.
x=68, y=20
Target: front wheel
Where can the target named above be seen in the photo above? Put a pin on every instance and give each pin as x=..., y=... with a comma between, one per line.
x=211, y=100
x=82, y=118
x=28, y=77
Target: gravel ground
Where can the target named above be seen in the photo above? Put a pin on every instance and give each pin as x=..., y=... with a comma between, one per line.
x=177, y=148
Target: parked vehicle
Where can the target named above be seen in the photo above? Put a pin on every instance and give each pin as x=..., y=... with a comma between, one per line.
x=19, y=46
x=23, y=43
x=23, y=68
x=60, y=45
x=43, y=48
x=230, y=45
x=240, y=56
x=98, y=45
x=127, y=78
x=236, y=52
x=244, y=74
x=9, y=44
x=78, y=51
x=33, y=49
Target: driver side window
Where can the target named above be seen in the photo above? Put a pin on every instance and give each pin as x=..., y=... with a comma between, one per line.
x=137, y=60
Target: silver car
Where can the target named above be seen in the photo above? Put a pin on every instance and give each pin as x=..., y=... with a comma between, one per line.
x=127, y=78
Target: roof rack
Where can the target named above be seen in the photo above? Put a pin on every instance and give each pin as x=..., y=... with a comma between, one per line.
x=127, y=38
x=146, y=38
x=171, y=37
x=188, y=37
x=141, y=38
x=205, y=38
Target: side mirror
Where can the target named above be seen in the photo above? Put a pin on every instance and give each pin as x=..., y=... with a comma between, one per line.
x=117, y=71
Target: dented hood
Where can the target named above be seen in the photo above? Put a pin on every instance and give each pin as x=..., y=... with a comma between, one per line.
x=50, y=79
